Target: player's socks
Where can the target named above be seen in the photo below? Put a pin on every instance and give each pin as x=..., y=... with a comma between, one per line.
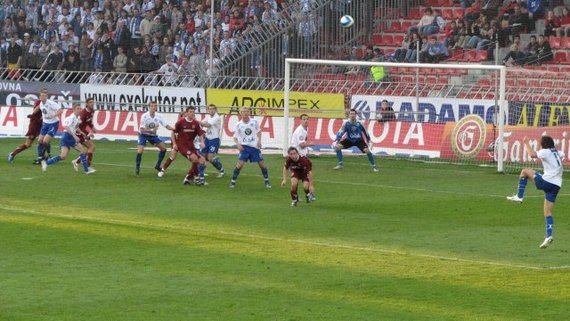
x=294, y=195
x=194, y=170
x=83, y=158
x=161, y=155
x=48, y=148
x=217, y=164
x=201, y=169
x=167, y=163
x=138, y=162
x=549, y=225
x=235, y=174
x=53, y=160
x=89, y=159
x=40, y=150
x=522, y=186
x=265, y=174
x=339, y=156
x=371, y=159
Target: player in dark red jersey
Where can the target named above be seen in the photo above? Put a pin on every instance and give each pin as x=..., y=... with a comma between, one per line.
x=183, y=135
x=174, y=152
x=33, y=131
x=300, y=167
x=86, y=132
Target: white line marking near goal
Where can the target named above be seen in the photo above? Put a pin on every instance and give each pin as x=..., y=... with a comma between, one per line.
x=368, y=185
x=286, y=240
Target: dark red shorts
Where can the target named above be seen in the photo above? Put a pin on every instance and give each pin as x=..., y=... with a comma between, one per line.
x=187, y=152
x=302, y=176
x=33, y=131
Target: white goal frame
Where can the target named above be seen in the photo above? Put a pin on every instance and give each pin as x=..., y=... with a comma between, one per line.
x=502, y=102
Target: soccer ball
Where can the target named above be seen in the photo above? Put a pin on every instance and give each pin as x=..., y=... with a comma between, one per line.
x=346, y=21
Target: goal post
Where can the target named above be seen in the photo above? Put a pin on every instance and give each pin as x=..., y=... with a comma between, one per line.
x=358, y=81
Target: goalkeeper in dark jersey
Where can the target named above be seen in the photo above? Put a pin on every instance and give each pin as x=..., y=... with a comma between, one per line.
x=351, y=134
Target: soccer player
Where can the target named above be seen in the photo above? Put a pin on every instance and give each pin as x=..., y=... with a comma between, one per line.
x=150, y=122
x=213, y=125
x=70, y=140
x=247, y=137
x=299, y=166
x=173, y=150
x=33, y=131
x=86, y=132
x=351, y=134
x=549, y=182
x=51, y=111
x=299, y=141
x=183, y=135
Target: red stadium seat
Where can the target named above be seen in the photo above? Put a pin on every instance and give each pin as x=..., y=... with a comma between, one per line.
x=457, y=13
x=560, y=57
x=397, y=40
x=555, y=42
x=376, y=40
x=482, y=55
x=415, y=13
x=395, y=26
x=406, y=25
x=447, y=14
x=387, y=40
x=565, y=43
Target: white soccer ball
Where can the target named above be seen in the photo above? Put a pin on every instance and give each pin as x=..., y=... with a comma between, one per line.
x=160, y=174
x=346, y=21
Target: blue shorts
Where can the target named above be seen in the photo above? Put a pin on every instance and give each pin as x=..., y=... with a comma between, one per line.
x=212, y=146
x=49, y=129
x=67, y=140
x=251, y=154
x=550, y=190
x=153, y=139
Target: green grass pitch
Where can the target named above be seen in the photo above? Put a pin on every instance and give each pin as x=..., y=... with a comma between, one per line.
x=413, y=242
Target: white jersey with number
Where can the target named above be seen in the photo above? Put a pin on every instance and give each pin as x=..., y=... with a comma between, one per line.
x=71, y=122
x=149, y=124
x=552, y=164
x=215, y=122
x=49, y=111
x=299, y=137
x=246, y=133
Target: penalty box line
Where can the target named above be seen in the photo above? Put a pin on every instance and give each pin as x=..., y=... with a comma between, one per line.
x=280, y=239
x=368, y=185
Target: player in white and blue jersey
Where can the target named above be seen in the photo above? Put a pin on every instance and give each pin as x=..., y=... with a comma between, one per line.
x=351, y=134
x=247, y=137
x=149, y=124
x=549, y=182
x=213, y=126
x=51, y=111
x=70, y=140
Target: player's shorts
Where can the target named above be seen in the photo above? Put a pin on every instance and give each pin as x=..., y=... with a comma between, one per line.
x=212, y=146
x=83, y=138
x=68, y=141
x=301, y=175
x=187, y=152
x=49, y=129
x=250, y=154
x=33, y=131
x=153, y=139
x=359, y=143
x=550, y=190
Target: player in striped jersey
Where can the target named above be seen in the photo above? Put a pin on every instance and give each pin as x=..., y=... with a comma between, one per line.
x=549, y=182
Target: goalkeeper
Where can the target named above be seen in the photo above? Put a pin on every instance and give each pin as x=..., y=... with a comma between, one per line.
x=351, y=134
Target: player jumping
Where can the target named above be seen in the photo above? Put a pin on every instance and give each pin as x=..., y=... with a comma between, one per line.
x=86, y=132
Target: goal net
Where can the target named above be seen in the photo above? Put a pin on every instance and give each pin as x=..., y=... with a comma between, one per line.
x=448, y=113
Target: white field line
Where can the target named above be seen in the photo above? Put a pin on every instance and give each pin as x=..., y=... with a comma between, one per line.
x=372, y=185
x=285, y=240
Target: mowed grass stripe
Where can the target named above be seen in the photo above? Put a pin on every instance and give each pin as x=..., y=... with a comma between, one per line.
x=385, y=274
x=199, y=228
